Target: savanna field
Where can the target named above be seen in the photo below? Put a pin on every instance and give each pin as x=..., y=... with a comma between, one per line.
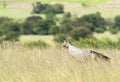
x=23, y=64
x=40, y=58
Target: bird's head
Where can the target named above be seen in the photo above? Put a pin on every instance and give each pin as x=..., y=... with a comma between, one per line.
x=65, y=44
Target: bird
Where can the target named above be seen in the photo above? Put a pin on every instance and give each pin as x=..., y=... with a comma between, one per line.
x=81, y=53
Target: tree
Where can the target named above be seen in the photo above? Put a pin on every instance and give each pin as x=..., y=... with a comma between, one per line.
x=31, y=25
x=66, y=29
x=9, y=31
x=115, y=27
x=33, y=19
x=49, y=10
x=3, y=19
x=12, y=36
x=10, y=26
x=54, y=30
x=59, y=37
x=92, y=21
x=40, y=8
x=45, y=25
x=117, y=22
x=81, y=32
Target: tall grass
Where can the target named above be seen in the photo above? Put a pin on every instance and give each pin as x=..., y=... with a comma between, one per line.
x=103, y=43
x=38, y=43
x=20, y=64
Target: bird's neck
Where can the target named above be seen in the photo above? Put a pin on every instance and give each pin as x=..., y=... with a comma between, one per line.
x=71, y=47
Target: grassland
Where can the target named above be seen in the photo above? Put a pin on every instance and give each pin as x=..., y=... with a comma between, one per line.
x=68, y=1
x=105, y=12
x=20, y=64
x=49, y=39
x=21, y=13
x=17, y=13
x=107, y=34
x=73, y=7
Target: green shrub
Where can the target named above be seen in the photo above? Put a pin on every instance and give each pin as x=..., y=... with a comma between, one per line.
x=45, y=25
x=59, y=37
x=104, y=43
x=117, y=22
x=9, y=26
x=12, y=36
x=54, y=30
x=9, y=30
x=3, y=19
x=68, y=20
x=86, y=42
x=92, y=21
x=67, y=15
x=66, y=28
x=81, y=32
x=34, y=25
x=40, y=8
x=114, y=30
x=33, y=19
x=99, y=30
x=27, y=27
x=39, y=43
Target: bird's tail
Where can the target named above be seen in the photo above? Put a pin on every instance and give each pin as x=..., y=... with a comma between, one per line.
x=100, y=55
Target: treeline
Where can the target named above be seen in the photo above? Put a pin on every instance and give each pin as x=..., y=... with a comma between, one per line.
x=65, y=26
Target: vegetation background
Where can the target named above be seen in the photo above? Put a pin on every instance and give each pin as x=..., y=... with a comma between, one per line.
x=31, y=33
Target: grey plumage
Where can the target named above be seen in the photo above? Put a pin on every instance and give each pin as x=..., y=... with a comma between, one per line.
x=78, y=52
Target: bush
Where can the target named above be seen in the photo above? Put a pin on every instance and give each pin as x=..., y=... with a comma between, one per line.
x=74, y=22
x=31, y=25
x=34, y=25
x=33, y=19
x=27, y=27
x=58, y=8
x=114, y=30
x=81, y=32
x=92, y=21
x=49, y=10
x=9, y=30
x=104, y=43
x=39, y=43
x=66, y=29
x=45, y=25
x=40, y=8
x=12, y=36
x=116, y=25
x=3, y=19
x=60, y=38
x=117, y=22
x=9, y=26
x=67, y=15
x=99, y=30
x=54, y=30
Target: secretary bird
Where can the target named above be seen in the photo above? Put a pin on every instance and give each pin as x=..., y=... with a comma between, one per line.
x=77, y=52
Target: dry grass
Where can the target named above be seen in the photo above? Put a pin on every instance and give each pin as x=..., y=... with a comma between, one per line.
x=105, y=12
x=20, y=64
x=107, y=34
x=19, y=11
x=49, y=39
